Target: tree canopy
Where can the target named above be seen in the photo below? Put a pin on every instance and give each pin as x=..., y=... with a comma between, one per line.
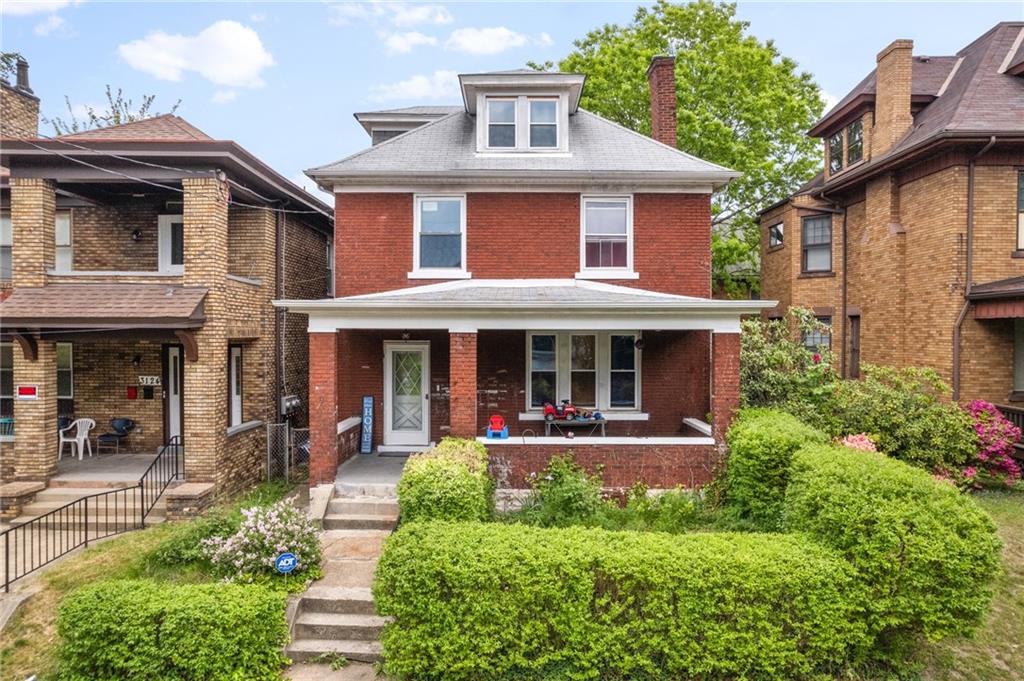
x=740, y=103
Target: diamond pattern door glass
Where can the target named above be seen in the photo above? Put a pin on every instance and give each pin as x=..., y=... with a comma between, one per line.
x=407, y=387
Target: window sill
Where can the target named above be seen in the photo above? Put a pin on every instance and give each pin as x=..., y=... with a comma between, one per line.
x=608, y=415
x=244, y=427
x=607, y=274
x=440, y=274
x=114, y=273
x=772, y=249
x=1017, y=254
x=815, y=275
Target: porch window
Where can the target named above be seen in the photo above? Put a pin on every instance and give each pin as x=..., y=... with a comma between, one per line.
x=1020, y=210
x=6, y=381
x=819, y=339
x=607, y=234
x=592, y=369
x=817, y=244
x=171, y=246
x=63, y=249
x=440, y=229
x=65, y=371
x=6, y=244
x=501, y=123
x=543, y=123
x=234, y=385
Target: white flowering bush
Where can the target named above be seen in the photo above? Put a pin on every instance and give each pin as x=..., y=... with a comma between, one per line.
x=265, y=533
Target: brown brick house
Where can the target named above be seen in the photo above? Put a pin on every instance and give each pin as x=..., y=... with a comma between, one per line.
x=910, y=243
x=518, y=251
x=138, y=265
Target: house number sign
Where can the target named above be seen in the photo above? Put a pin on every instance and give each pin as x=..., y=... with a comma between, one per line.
x=149, y=380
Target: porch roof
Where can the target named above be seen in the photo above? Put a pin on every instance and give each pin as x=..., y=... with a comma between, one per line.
x=524, y=303
x=104, y=306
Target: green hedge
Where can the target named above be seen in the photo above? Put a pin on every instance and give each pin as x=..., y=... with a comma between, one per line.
x=474, y=600
x=137, y=629
x=448, y=482
x=761, y=446
x=925, y=553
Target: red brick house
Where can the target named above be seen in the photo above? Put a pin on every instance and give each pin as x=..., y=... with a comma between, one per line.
x=519, y=250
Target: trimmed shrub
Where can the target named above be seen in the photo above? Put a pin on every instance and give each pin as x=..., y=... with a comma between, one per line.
x=448, y=482
x=925, y=554
x=761, y=446
x=137, y=629
x=473, y=600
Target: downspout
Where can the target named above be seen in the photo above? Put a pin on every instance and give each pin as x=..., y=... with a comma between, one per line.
x=969, y=269
x=279, y=245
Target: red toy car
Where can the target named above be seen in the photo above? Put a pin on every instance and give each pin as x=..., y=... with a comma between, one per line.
x=563, y=412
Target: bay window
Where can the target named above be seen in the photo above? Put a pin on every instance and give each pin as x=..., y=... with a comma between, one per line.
x=439, y=244
x=592, y=369
x=607, y=235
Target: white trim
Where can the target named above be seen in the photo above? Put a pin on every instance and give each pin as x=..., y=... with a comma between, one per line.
x=487, y=122
x=108, y=273
x=1006, y=60
x=236, y=385
x=435, y=272
x=626, y=272
x=6, y=438
x=65, y=249
x=321, y=321
x=698, y=425
x=164, y=223
x=511, y=186
x=348, y=424
x=244, y=280
x=578, y=441
x=522, y=100
x=608, y=416
x=601, y=370
x=422, y=437
x=71, y=369
x=242, y=427
x=558, y=123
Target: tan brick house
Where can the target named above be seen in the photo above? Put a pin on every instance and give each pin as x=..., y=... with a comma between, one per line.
x=910, y=243
x=137, y=269
x=518, y=251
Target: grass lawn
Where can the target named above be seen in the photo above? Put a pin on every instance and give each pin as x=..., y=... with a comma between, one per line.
x=30, y=639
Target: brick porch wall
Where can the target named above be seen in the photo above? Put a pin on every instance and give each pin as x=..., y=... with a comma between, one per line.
x=323, y=407
x=462, y=372
x=725, y=387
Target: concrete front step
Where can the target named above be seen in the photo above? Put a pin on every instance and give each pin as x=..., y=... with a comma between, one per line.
x=338, y=600
x=348, y=490
x=363, y=506
x=333, y=521
x=306, y=650
x=66, y=494
x=101, y=525
x=338, y=626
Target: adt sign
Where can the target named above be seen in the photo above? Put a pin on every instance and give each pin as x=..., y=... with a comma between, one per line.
x=285, y=563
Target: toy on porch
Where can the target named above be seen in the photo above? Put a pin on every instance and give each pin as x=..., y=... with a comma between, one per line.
x=567, y=411
x=496, y=428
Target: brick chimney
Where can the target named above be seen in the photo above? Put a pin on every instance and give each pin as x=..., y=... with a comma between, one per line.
x=19, y=107
x=893, y=77
x=661, y=76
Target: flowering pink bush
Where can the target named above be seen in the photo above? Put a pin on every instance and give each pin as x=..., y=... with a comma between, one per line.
x=861, y=441
x=996, y=437
x=265, y=533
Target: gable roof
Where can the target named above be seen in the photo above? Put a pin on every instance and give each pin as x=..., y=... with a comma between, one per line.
x=600, y=150
x=163, y=128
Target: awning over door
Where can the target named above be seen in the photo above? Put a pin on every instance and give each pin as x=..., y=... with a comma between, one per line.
x=1002, y=299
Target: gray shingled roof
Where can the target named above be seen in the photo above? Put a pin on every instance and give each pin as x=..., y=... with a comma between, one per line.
x=567, y=292
x=417, y=110
x=447, y=147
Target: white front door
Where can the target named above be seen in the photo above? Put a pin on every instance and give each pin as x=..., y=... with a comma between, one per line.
x=172, y=391
x=406, y=393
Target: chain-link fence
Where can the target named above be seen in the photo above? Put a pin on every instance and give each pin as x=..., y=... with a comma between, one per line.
x=287, y=452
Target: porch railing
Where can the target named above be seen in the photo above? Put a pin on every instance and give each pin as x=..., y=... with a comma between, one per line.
x=46, y=538
x=1016, y=416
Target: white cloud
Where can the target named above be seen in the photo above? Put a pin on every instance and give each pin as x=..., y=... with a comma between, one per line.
x=830, y=100
x=257, y=17
x=50, y=25
x=494, y=40
x=398, y=13
x=225, y=53
x=402, y=43
x=544, y=40
x=23, y=7
x=438, y=85
x=224, y=96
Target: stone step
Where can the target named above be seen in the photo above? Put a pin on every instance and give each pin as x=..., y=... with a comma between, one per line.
x=338, y=600
x=338, y=626
x=346, y=572
x=38, y=507
x=363, y=506
x=71, y=493
x=348, y=490
x=102, y=524
x=359, y=522
x=305, y=650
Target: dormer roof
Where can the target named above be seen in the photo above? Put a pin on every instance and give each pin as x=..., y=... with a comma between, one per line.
x=524, y=80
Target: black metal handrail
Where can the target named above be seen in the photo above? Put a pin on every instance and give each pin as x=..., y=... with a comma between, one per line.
x=1016, y=416
x=46, y=538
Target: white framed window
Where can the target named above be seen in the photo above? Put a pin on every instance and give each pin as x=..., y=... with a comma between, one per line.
x=501, y=123
x=606, y=237
x=593, y=369
x=63, y=254
x=330, y=267
x=776, y=236
x=6, y=247
x=816, y=246
x=65, y=371
x=543, y=123
x=439, y=237
x=171, y=244
x=234, y=385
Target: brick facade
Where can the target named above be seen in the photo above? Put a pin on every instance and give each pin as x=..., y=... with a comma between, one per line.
x=661, y=79
x=462, y=381
x=725, y=381
x=323, y=407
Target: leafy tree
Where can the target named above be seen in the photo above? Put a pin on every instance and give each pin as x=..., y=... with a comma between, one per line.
x=740, y=104
x=119, y=110
x=8, y=64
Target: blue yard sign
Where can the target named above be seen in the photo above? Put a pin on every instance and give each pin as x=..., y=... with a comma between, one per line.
x=366, y=439
x=285, y=563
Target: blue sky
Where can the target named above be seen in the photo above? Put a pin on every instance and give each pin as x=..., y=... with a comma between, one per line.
x=283, y=79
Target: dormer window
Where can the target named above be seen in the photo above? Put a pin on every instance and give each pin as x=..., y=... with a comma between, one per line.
x=501, y=123
x=854, y=142
x=846, y=147
x=543, y=123
x=835, y=152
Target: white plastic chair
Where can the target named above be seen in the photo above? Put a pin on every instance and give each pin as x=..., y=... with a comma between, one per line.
x=80, y=438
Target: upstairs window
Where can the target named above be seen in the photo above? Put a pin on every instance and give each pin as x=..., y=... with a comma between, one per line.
x=543, y=123
x=607, y=234
x=835, y=152
x=440, y=230
x=6, y=247
x=65, y=371
x=776, y=236
x=1020, y=210
x=854, y=142
x=816, y=244
x=501, y=123
x=63, y=250
x=171, y=246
